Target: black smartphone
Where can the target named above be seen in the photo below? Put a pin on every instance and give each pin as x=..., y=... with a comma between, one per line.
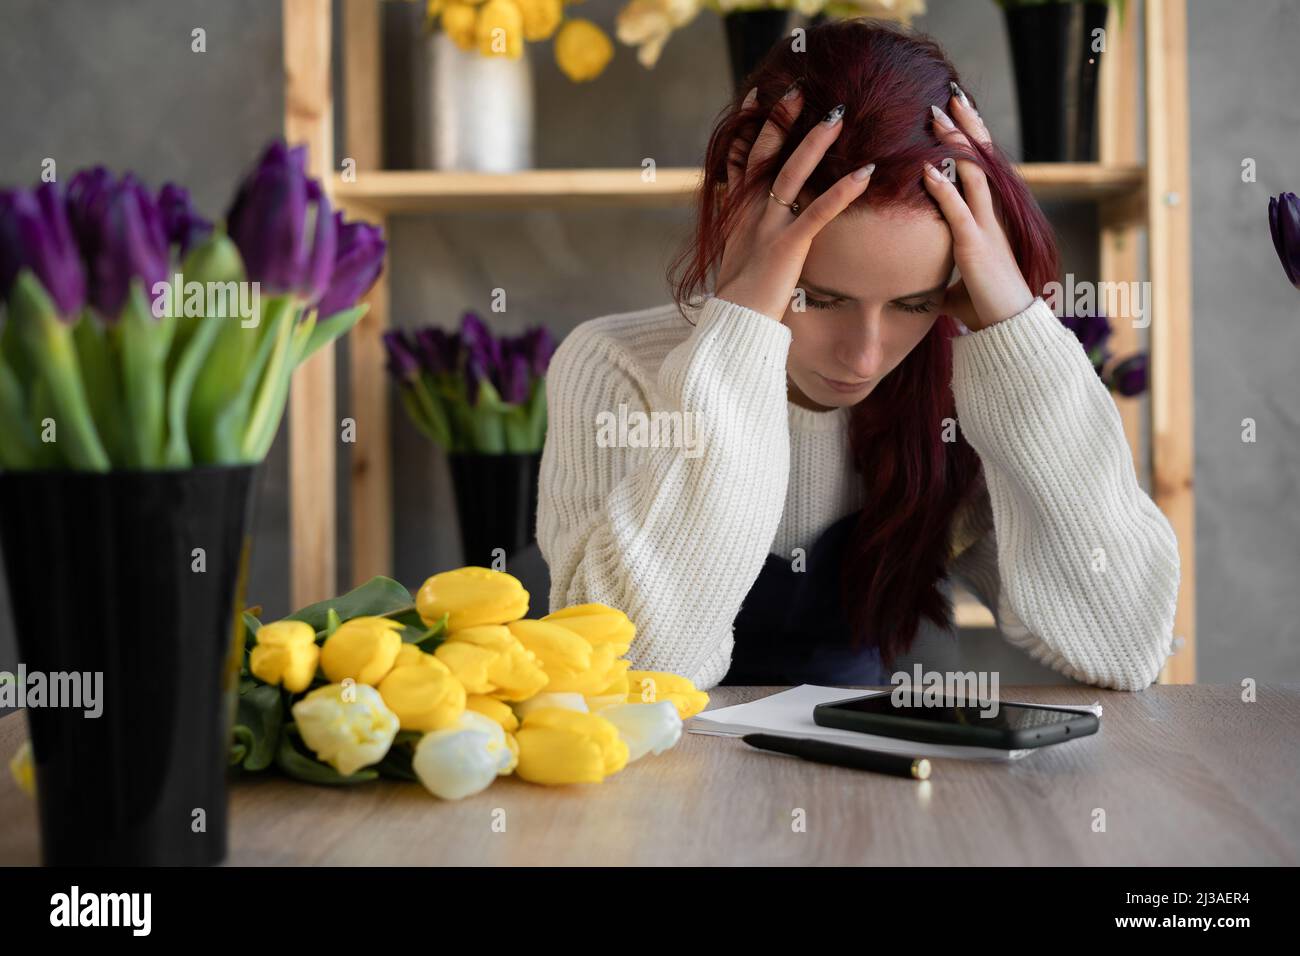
x=980, y=724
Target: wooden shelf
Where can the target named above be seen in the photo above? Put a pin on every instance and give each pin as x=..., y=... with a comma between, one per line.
x=393, y=192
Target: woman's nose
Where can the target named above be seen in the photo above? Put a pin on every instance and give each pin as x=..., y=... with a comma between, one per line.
x=862, y=353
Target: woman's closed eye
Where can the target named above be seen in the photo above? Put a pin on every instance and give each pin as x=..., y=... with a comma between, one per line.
x=910, y=308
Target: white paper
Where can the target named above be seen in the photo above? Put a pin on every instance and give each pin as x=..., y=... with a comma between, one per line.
x=790, y=714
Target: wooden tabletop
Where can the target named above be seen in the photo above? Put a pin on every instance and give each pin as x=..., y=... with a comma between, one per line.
x=1184, y=774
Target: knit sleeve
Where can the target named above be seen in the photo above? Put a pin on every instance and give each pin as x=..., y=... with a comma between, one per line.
x=673, y=535
x=1080, y=567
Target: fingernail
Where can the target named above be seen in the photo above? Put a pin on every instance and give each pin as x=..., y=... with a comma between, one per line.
x=958, y=92
x=933, y=173
x=942, y=118
x=789, y=94
x=750, y=97
x=864, y=172
x=834, y=115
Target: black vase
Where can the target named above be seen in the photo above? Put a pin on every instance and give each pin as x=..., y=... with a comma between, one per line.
x=1056, y=79
x=105, y=577
x=496, y=502
x=750, y=35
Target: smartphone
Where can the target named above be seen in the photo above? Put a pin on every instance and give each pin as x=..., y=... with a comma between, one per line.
x=979, y=724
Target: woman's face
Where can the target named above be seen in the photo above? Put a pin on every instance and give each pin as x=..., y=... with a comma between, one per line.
x=872, y=284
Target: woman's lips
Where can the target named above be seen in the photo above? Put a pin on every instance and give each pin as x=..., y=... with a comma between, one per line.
x=843, y=386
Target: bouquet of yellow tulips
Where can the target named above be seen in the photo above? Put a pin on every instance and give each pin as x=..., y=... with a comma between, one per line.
x=453, y=688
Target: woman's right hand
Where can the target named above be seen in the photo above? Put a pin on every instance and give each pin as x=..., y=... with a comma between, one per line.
x=763, y=256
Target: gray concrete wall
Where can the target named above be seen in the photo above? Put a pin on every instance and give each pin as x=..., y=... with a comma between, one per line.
x=116, y=82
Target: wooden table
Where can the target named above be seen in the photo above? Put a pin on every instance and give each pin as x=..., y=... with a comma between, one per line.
x=1185, y=774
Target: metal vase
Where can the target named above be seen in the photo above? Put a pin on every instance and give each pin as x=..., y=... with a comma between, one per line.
x=475, y=112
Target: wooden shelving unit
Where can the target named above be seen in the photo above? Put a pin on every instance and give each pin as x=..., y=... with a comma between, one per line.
x=1131, y=198
x=393, y=192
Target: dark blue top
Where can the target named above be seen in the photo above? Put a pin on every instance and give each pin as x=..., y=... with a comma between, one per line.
x=792, y=627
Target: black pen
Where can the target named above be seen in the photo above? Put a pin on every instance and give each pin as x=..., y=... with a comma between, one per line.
x=821, y=751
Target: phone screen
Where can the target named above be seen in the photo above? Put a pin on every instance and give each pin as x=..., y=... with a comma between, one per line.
x=1006, y=717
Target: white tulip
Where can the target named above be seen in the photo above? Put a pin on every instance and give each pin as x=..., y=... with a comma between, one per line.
x=645, y=728
x=460, y=761
x=347, y=732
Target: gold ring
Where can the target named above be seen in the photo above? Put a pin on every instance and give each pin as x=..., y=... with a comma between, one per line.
x=794, y=206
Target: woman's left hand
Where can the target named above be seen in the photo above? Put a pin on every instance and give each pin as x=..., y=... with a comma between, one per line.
x=991, y=287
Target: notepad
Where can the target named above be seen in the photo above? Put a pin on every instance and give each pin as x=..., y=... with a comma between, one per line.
x=790, y=714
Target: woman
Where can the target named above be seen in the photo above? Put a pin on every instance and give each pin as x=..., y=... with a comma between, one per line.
x=854, y=448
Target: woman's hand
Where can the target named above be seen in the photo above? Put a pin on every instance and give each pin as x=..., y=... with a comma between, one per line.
x=764, y=255
x=991, y=287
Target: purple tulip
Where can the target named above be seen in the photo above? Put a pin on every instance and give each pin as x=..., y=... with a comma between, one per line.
x=1092, y=331
x=402, y=363
x=119, y=229
x=182, y=223
x=281, y=221
x=482, y=353
x=358, y=261
x=514, y=377
x=540, y=346
x=1129, y=377
x=35, y=234
x=479, y=341
x=1284, y=224
x=439, y=351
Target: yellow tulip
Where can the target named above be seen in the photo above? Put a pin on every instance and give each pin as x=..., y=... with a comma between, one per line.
x=541, y=17
x=471, y=596
x=648, y=687
x=460, y=22
x=598, y=623
x=346, y=727
x=493, y=709
x=566, y=657
x=616, y=691
x=409, y=655
x=363, y=648
x=558, y=746
x=470, y=663
x=500, y=29
x=582, y=50
x=509, y=672
x=423, y=693
x=285, y=654
x=23, y=770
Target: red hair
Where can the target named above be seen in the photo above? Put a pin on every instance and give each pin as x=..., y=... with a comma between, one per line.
x=915, y=482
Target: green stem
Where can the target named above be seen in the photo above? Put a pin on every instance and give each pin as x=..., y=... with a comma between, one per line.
x=145, y=341
x=48, y=342
x=274, y=386
x=17, y=443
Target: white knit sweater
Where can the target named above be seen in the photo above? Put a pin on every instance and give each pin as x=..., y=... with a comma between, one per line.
x=1077, y=564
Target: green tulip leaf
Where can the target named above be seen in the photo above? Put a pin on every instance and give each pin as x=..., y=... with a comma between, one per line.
x=310, y=770
x=48, y=345
x=334, y=326
x=261, y=710
x=378, y=597
x=241, y=743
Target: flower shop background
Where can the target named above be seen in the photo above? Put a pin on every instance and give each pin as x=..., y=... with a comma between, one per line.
x=118, y=83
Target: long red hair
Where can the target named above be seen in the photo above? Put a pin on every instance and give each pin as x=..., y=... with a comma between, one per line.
x=915, y=481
